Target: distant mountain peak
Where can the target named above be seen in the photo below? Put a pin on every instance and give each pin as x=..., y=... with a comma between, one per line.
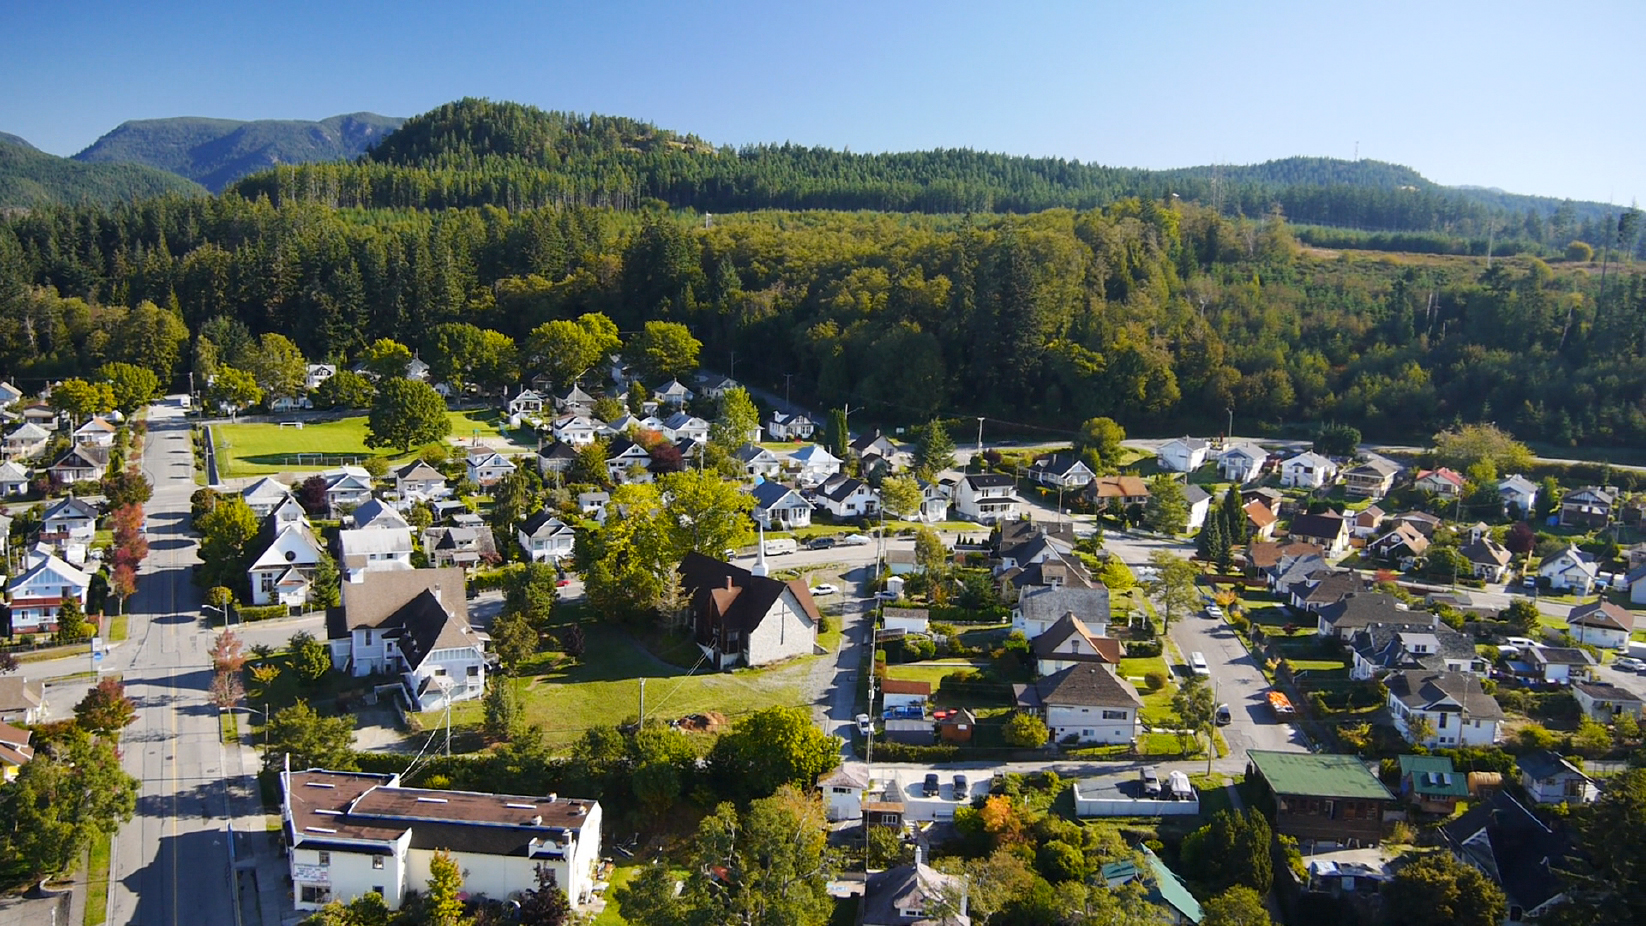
x=17, y=140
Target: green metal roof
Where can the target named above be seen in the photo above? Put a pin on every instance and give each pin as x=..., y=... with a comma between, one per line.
x=1309, y=775
x=1172, y=891
x=1434, y=776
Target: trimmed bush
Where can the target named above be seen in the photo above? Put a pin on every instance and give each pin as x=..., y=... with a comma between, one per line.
x=262, y=612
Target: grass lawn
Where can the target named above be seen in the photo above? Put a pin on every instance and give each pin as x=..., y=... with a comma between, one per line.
x=97, y=881
x=613, y=915
x=262, y=449
x=117, y=627
x=228, y=726
x=1157, y=705
x=565, y=697
x=489, y=423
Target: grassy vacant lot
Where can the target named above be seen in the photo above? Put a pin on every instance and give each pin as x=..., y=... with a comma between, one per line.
x=263, y=449
x=565, y=697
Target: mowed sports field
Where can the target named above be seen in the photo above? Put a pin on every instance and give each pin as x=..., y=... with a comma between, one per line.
x=265, y=449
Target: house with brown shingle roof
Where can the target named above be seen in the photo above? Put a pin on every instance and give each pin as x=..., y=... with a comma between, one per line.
x=1602, y=624
x=1070, y=642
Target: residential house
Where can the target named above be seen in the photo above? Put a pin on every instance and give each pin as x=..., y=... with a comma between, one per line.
x=1060, y=571
x=1069, y=642
x=1061, y=471
x=1200, y=502
x=1321, y=798
x=1163, y=888
x=1260, y=520
x=352, y=833
x=347, y=487
x=290, y=403
x=934, y=503
x=575, y=397
x=741, y=618
x=914, y=895
x=80, y=463
x=1323, y=589
x=784, y=426
x=1117, y=493
x=485, y=467
x=673, y=393
x=1364, y=523
x=1560, y=665
x=1084, y=703
x=68, y=519
x=417, y=481
x=316, y=373
x=1602, y=624
x=1360, y=610
x=778, y=507
x=43, y=415
x=1431, y=783
x=14, y=480
x=683, y=426
x=286, y=511
x=263, y=495
x=593, y=505
x=1421, y=645
x=96, y=432
x=843, y=790
x=1588, y=508
x=463, y=547
x=1604, y=703
x=715, y=386
x=1328, y=530
x=1373, y=478
x=986, y=498
x=758, y=461
x=413, y=623
x=908, y=620
x=38, y=592
x=1635, y=580
x=905, y=696
x=9, y=394
x=16, y=749
x=372, y=550
x=281, y=570
x=1488, y=559
x=1519, y=496
x=1241, y=463
x=1021, y=543
x=1420, y=521
x=576, y=430
x=1040, y=609
x=1307, y=470
x=1444, y=482
x=555, y=457
x=24, y=441
x=1459, y=711
x=1402, y=545
x=812, y=464
x=22, y=701
x=874, y=444
x=526, y=403
x=1571, y=570
x=1292, y=570
x=374, y=514
x=546, y=538
x=628, y=462
x=1264, y=556
x=845, y=498
x=1550, y=779
x=1183, y=455
x=1517, y=851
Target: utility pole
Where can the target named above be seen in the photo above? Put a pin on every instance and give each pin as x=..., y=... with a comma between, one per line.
x=979, y=458
x=642, y=702
x=733, y=373
x=786, y=378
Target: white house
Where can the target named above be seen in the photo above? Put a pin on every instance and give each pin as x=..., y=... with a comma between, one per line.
x=1550, y=779
x=1084, y=704
x=790, y=427
x=1241, y=463
x=813, y=464
x=1070, y=642
x=1183, y=455
x=758, y=461
x=1200, y=502
x=281, y=571
x=375, y=514
x=1603, y=702
x=317, y=373
x=351, y=833
x=81, y=463
x=673, y=393
x=1602, y=624
x=1307, y=470
x=628, y=462
x=1061, y=471
x=846, y=497
x=1570, y=570
x=934, y=502
x=1561, y=665
x=263, y=495
x=908, y=620
x=26, y=440
x=1040, y=608
x=526, y=403
x=372, y=550
x=1459, y=711
x=14, y=480
x=546, y=538
x=1371, y=479
x=486, y=468
x=346, y=487
x=94, y=433
x=68, y=519
x=1519, y=495
x=742, y=617
x=843, y=791
x=623, y=424
x=417, y=481
x=778, y=507
x=986, y=498
x=413, y=622
x=682, y=426
x=576, y=430
x=37, y=595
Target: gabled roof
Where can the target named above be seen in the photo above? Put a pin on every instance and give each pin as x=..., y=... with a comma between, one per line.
x=1317, y=525
x=1559, y=656
x=1171, y=890
x=12, y=471
x=557, y=451
x=95, y=425
x=1119, y=487
x=269, y=534
x=1515, y=849
x=890, y=896
x=1049, y=604
x=988, y=481
x=1442, y=474
x=1379, y=467
x=768, y=494
x=368, y=542
x=1405, y=535
x=1393, y=646
x=1603, y=615
x=374, y=513
x=50, y=565
x=1317, y=775
x=1603, y=691
x=900, y=686
x=1602, y=494
x=1544, y=765
x=671, y=388
x=1518, y=485
x=1087, y=685
x=749, y=453
x=83, y=456
x=838, y=490
x=1194, y=495
x=814, y=455
x=1362, y=609
x=374, y=603
x=418, y=470
x=738, y=597
x=19, y=694
x=1266, y=554
x=1187, y=443
x=1058, y=464
x=543, y=524
x=69, y=507
x=847, y=775
x=1308, y=458
x=1259, y=513
x=265, y=489
x=1430, y=691
x=1248, y=450
x=1487, y=552
x=28, y=431
x=1434, y=776
x=1049, y=645
x=680, y=420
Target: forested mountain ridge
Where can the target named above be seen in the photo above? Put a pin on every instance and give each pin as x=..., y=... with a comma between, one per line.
x=478, y=152
x=31, y=178
x=217, y=152
x=10, y=139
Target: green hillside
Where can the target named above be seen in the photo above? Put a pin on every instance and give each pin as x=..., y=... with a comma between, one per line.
x=217, y=152
x=19, y=141
x=29, y=177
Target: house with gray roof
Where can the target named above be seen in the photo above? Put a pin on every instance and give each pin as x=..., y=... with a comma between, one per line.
x=1038, y=609
x=914, y=895
x=1458, y=709
x=1084, y=703
x=780, y=508
x=1423, y=645
x=1360, y=610
x=1516, y=850
x=1551, y=779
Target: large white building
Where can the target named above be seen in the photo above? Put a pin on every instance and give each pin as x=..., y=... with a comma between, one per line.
x=350, y=833
x=414, y=624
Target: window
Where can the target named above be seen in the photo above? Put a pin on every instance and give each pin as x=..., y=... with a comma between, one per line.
x=377, y=889
x=316, y=893
x=474, y=671
x=377, y=863
x=368, y=638
x=325, y=858
x=1442, y=724
x=1115, y=715
x=439, y=671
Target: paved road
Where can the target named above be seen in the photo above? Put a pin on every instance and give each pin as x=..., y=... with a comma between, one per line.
x=171, y=862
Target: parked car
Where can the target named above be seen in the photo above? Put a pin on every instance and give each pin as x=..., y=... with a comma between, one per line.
x=1197, y=664
x=962, y=788
x=1224, y=716
x=854, y=540
x=821, y=543
x=865, y=724
x=931, y=788
x=1630, y=663
x=1214, y=612
x=887, y=595
x=826, y=588
x=1150, y=777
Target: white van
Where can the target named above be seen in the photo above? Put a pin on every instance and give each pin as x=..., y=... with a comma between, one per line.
x=1197, y=665
x=780, y=546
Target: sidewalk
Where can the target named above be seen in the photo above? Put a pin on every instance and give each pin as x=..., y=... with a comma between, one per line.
x=260, y=865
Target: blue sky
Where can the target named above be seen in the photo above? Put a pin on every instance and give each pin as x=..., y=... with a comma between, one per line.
x=1516, y=95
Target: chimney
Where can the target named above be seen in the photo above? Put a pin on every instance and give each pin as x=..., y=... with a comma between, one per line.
x=728, y=583
x=919, y=853
x=436, y=590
